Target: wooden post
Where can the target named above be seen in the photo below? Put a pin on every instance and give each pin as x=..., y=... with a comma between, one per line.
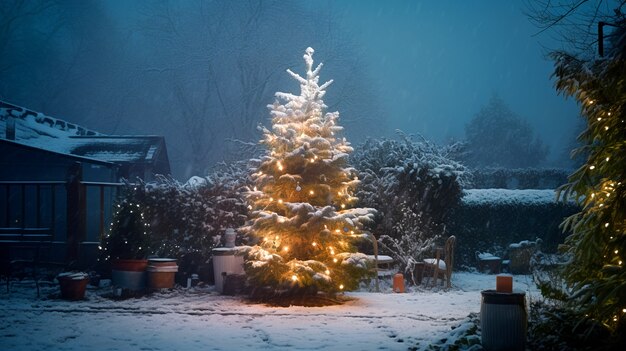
x=375, y=244
x=76, y=211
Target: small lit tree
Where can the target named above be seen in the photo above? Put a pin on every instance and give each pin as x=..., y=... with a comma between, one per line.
x=303, y=215
x=129, y=237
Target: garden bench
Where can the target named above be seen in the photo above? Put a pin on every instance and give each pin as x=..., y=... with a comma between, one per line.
x=21, y=252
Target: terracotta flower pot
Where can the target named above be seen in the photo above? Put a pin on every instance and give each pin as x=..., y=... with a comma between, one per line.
x=73, y=285
x=129, y=265
x=129, y=274
x=161, y=272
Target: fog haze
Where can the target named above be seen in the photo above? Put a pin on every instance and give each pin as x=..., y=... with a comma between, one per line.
x=202, y=72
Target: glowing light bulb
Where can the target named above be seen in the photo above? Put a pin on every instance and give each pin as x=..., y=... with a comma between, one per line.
x=294, y=277
x=271, y=199
x=592, y=167
x=607, y=159
x=277, y=237
x=606, y=225
x=279, y=165
x=328, y=272
x=616, y=251
x=599, y=118
x=311, y=192
x=343, y=205
x=254, y=189
x=286, y=248
x=624, y=310
x=280, y=201
x=606, y=127
x=340, y=286
x=335, y=260
x=337, y=231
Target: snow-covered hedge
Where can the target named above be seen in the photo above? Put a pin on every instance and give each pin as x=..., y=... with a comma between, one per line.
x=189, y=218
x=488, y=220
x=525, y=178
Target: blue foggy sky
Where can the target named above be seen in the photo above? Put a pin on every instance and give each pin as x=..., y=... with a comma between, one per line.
x=201, y=73
x=437, y=62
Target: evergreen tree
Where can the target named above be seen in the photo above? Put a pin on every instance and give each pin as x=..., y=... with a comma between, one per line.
x=597, y=244
x=498, y=137
x=129, y=237
x=303, y=200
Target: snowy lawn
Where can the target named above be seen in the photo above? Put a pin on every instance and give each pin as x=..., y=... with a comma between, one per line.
x=200, y=319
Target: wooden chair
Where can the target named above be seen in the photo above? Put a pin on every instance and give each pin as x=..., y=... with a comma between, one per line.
x=442, y=262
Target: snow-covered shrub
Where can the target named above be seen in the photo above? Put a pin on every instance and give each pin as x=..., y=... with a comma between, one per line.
x=413, y=185
x=547, y=271
x=555, y=327
x=191, y=217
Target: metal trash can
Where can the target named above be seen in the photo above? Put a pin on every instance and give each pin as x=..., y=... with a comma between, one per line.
x=226, y=261
x=503, y=320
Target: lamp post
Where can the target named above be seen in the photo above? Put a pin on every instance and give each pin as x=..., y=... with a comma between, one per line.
x=601, y=25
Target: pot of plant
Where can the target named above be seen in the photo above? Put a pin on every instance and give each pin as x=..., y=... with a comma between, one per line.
x=161, y=272
x=73, y=285
x=127, y=246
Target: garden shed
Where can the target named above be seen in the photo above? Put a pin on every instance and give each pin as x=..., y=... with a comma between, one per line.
x=63, y=177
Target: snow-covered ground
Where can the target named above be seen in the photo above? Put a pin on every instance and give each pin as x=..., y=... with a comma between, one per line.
x=200, y=319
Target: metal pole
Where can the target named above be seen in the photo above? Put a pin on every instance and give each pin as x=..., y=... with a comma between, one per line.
x=601, y=38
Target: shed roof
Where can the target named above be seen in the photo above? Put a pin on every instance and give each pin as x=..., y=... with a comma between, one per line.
x=37, y=130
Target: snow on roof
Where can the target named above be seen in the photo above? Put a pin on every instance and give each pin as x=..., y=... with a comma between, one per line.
x=52, y=134
x=30, y=124
x=508, y=196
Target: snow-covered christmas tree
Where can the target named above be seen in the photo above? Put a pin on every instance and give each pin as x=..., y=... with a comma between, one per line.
x=303, y=204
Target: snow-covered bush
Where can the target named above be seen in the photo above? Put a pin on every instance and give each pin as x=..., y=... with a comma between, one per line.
x=191, y=217
x=413, y=185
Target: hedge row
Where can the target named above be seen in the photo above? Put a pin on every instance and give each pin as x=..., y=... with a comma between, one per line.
x=492, y=226
x=526, y=178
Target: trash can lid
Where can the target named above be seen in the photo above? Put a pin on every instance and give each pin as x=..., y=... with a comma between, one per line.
x=224, y=251
x=517, y=297
x=161, y=260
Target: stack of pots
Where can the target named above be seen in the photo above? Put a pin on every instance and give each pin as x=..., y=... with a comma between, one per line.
x=161, y=272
